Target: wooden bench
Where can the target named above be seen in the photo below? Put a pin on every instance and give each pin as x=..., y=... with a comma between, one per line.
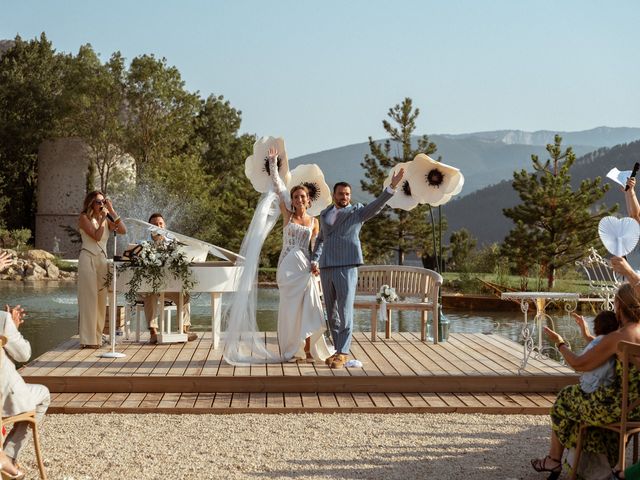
x=408, y=282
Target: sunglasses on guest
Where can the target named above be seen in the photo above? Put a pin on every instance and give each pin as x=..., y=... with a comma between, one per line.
x=99, y=202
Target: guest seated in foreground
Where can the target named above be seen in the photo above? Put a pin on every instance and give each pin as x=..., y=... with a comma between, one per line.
x=573, y=406
x=604, y=323
x=17, y=395
x=151, y=300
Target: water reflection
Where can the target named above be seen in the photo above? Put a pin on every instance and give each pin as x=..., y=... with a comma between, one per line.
x=52, y=319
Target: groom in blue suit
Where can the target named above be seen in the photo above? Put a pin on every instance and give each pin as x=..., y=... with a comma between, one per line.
x=338, y=254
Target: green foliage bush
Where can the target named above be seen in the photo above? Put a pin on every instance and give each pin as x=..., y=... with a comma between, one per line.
x=18, y=238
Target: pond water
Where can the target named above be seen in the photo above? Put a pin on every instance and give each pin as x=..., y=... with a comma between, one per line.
x=52, y=316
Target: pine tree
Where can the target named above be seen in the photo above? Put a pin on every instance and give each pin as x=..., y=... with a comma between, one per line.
x=395, y=232
x=555, y=225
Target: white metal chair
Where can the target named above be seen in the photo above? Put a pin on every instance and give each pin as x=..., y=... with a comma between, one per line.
x=603, y=281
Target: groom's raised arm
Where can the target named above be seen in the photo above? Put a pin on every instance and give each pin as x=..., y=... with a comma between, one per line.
x=372, y=209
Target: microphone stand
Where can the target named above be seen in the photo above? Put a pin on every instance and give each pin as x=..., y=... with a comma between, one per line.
x=113, y=305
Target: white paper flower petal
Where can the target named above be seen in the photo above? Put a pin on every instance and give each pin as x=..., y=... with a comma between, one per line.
x=312, y=177
x=431, y=181
x=403, y=197
x=256, y=165
x=619, y=235
x=444, y=199
x=458, y=189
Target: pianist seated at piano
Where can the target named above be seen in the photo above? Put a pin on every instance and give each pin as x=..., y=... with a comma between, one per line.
x=151, y=300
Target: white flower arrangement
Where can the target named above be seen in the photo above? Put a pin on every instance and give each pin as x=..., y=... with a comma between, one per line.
x=386, y=294
x=151, y=264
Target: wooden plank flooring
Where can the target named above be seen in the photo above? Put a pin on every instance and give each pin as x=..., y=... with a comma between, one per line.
x=224, y=403
x=473, y=373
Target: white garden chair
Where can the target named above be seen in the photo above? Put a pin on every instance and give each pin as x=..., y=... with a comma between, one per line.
x=603, y=281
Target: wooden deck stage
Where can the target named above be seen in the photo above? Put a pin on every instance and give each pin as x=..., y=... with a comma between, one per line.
x=473, y=373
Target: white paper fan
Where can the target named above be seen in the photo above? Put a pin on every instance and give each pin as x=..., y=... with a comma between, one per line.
x=619, y=235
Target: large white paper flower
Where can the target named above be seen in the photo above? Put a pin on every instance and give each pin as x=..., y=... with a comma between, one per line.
x=433, y=182
x=256, y=166
x=312, y=177
x=403, y=198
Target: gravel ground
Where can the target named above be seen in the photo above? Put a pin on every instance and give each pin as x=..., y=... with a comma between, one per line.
x=307, y=446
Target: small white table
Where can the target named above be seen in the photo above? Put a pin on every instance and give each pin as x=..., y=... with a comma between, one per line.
x=541, y=300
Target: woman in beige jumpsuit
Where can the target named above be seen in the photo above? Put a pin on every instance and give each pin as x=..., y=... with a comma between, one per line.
x=97, y=219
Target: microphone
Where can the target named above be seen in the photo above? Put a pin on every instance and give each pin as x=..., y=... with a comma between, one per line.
x=112, y=220
x=633, y=174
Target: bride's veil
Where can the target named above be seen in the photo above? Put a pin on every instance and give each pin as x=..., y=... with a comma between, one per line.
x=244, y=343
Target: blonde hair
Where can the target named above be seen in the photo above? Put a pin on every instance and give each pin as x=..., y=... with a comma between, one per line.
x=87, y=205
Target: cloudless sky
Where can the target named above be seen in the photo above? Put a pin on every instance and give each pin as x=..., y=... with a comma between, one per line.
x=323, y=74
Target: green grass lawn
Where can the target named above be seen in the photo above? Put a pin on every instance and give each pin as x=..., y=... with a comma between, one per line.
x=469, y=282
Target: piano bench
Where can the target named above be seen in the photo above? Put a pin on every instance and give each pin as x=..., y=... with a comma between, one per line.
x=137, y=310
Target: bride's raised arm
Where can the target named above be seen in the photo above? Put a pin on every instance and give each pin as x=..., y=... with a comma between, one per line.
x=278, y=185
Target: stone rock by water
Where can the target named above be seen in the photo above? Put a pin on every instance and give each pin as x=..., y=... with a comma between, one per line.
x=53, y=272
x=39, y=256
x=35, y=272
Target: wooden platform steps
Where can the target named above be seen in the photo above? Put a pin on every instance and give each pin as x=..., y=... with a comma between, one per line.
x=473, y=373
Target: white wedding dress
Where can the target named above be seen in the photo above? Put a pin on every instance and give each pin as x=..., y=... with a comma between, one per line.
x=300, y=314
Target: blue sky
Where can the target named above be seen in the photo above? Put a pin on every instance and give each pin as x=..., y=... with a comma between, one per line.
x=323, y=74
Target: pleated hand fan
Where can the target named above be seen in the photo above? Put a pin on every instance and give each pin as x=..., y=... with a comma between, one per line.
x=619, y=235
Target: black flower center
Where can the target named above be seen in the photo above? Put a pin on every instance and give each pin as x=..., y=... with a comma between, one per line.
x=435, y=178
x=266, y=165
x=314, y=190
x=406, y=188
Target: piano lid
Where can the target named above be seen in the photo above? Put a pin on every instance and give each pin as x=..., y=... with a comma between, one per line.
x=142, y=230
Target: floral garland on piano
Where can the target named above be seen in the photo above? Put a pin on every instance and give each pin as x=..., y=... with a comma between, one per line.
x=151, y=263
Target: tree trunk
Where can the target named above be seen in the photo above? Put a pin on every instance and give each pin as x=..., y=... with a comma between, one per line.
x=551, y=277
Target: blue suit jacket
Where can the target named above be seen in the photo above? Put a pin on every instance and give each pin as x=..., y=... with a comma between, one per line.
x=338, y=245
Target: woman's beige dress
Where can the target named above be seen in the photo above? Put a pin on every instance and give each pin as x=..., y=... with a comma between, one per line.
x=92, y=293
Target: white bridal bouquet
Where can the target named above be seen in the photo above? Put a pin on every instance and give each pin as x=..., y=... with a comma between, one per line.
x=386, y=294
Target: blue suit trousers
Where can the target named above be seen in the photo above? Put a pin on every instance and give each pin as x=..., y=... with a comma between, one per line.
x=339, y=286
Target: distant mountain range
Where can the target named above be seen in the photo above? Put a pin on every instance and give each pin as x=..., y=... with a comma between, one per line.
x=481, y=211
x=485, y=158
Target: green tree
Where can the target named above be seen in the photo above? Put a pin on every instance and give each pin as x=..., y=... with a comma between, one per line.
x=399, y=232
x=554, y=225
x=461, y=245
x=32, y=80
x=160, y=115
x=232, y=199
x=97, y=94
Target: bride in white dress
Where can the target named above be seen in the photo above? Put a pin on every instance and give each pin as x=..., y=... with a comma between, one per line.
x=301, y=323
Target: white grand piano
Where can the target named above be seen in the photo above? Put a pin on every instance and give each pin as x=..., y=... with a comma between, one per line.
x=213, y=277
